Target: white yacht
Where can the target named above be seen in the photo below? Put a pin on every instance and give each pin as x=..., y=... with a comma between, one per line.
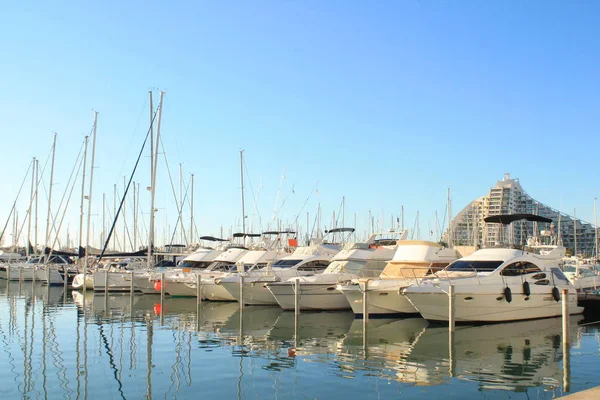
x=413, y=260
x=584, y=276
x=146, y=281
x=183, y=283
x=355, y=260
x=252, y=260
x=307, y=260
x=498, y=284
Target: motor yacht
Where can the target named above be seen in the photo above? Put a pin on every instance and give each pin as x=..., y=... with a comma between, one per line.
x=498, y=284
x=354, y=261
x=413, y=260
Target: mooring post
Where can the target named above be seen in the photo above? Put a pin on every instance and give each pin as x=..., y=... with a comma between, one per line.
x=20, y=275
x=132, y=283
x=566, y=341
x=366, y=301
x=297, y=296
x=162, y=297
x=106, y=282
x=241, y=291
x=33, y=278
x=198, y=288
x=451, y=308
x=65, y=277
x=365, y=321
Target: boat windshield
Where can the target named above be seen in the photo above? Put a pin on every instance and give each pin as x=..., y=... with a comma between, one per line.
x=350, y=267
x=195, y=264
x=473, y=265
x=285, y=263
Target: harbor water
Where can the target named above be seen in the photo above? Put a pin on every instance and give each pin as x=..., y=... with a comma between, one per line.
x=60, y=344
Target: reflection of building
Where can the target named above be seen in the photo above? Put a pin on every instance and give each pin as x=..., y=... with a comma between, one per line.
x=508, y=197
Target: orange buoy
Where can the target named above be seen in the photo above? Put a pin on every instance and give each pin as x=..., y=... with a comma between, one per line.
x=157, y=309
x=291, y=352
x=158, y=286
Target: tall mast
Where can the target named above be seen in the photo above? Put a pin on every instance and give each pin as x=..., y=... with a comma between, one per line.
x=89, y=214
x=575, y=231
x=103, y=217
x=134, y=216
x=124, y=214
x=181, y=229
x=50, y=194
x=402, y=217
x=595, y=230
x=192, y=213
x=153, y=184
x=37, y=186
x=81, y=206
x=450, y=239
x=242, y=180
x=30, y=209
x=115, y=210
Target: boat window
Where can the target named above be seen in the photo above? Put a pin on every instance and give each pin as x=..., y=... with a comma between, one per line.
x=315, y=266
x=474, y=265
x=285, y=263
x=558, y=274
x=520, y=268
x=224, y=266
x=194, y=264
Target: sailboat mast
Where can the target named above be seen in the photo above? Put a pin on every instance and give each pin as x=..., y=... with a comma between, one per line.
x=450, y=238
x=37, y=186
x=181, y=229
x=81, y=205
x=242, y=180
x=103, y=217
x=134, y=216
x=575, y=231
x=89, y=214
x=30, y=208
x=595, y=230
x=50, y=194
x=192, y=213
x=153, y=184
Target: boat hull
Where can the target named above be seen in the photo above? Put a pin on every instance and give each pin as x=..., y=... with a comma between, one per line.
x=255, y=293
x=312, y=296
x=384, y=301
x=491, y=306
x=215, y=292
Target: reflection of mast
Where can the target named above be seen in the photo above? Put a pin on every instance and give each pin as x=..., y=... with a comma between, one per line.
x=111, y=359
x=149, y=337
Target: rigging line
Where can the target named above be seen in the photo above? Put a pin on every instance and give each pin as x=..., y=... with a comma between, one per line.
x=15, y=203
x=282, y=204
x=112, y=228
x=179, y=218
x=137, y=124
x=179, y=210
x=126, y=231
x=65, y=210
x=253, y=197
x=306, y=201
x=277, y=197
x=53, y=225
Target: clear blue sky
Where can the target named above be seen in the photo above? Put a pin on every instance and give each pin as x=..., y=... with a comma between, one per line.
x=387, y=103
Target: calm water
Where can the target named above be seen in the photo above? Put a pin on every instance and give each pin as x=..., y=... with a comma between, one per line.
x=122, y=347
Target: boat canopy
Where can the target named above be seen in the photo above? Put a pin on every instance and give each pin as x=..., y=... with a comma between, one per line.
x=213, y=239
x=241, y=234
x=335, y=230
x=506, y=219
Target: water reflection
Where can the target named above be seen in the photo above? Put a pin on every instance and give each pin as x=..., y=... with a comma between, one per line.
x=70, y=345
